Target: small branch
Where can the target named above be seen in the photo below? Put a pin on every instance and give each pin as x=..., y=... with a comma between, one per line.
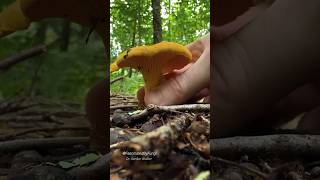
x=153, y=109
x=18, y=145
x=15, y=105
x=184, y=107
x=261, y=174
x=117, y=79
x=124, y=103
x=10, y=136
x=17, y=58
x=284, y=145
x=123, y=106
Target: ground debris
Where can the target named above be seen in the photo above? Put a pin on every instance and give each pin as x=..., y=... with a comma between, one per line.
x=173, y=142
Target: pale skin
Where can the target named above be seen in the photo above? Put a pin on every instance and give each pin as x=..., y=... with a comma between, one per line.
x=183, y=84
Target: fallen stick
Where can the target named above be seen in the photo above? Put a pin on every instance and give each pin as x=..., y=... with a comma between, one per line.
x=183, y=107
x=32, y=130
x=123, y=106
x=24, y=144
x=124, y=103
x=17, y=58
x=153, y=109
x=14, y=105
x=284, y=145
x=117, y=79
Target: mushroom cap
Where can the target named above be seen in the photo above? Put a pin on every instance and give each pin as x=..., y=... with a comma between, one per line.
x=163, y=57
x=154, y=61
x=21, y=13
x=13, y=19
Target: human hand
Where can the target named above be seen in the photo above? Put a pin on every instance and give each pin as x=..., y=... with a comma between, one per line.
x=225, y=28
x=183, y=84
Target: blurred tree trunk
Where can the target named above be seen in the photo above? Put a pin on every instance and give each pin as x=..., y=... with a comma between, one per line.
x=169, y=29
x=139, y=22
x=35, y=65
x=133, y=42
x=157, y=29
x=65, y=35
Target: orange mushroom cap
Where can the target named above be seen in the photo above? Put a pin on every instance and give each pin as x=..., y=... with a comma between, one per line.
x=154, y=61
x=21, y=13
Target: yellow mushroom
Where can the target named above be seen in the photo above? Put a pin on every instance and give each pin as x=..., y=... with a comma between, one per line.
x=154, y=61
x=21, y=13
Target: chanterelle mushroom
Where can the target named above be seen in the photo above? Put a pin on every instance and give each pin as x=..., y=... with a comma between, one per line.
x=154, y=61
x=21, y=13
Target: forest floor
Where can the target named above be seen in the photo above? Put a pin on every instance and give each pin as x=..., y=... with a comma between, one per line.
x=158, y=142
x=283, y=154
x=42, y=139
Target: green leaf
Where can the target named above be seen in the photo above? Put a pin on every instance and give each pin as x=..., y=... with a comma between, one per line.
x=81, y=161
x=204, y=175
x=86, y=159
x=66, y=165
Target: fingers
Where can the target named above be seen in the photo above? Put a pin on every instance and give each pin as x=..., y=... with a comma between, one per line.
x=183, y=86
x=196, y=48
x=222, y=32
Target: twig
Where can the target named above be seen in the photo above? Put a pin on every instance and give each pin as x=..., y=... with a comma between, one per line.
x=284, y=145
x=117, y=96
x=18, y=145
x=124, y=103
x=117, y=79
x=10, y=136
x=123, y=106
x=152, y=109
x=261, y=174
x=17, y=58
x=15, y=105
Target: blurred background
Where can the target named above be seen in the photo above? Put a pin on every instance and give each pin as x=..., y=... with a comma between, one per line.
x=145, y=22
x=65, y=72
